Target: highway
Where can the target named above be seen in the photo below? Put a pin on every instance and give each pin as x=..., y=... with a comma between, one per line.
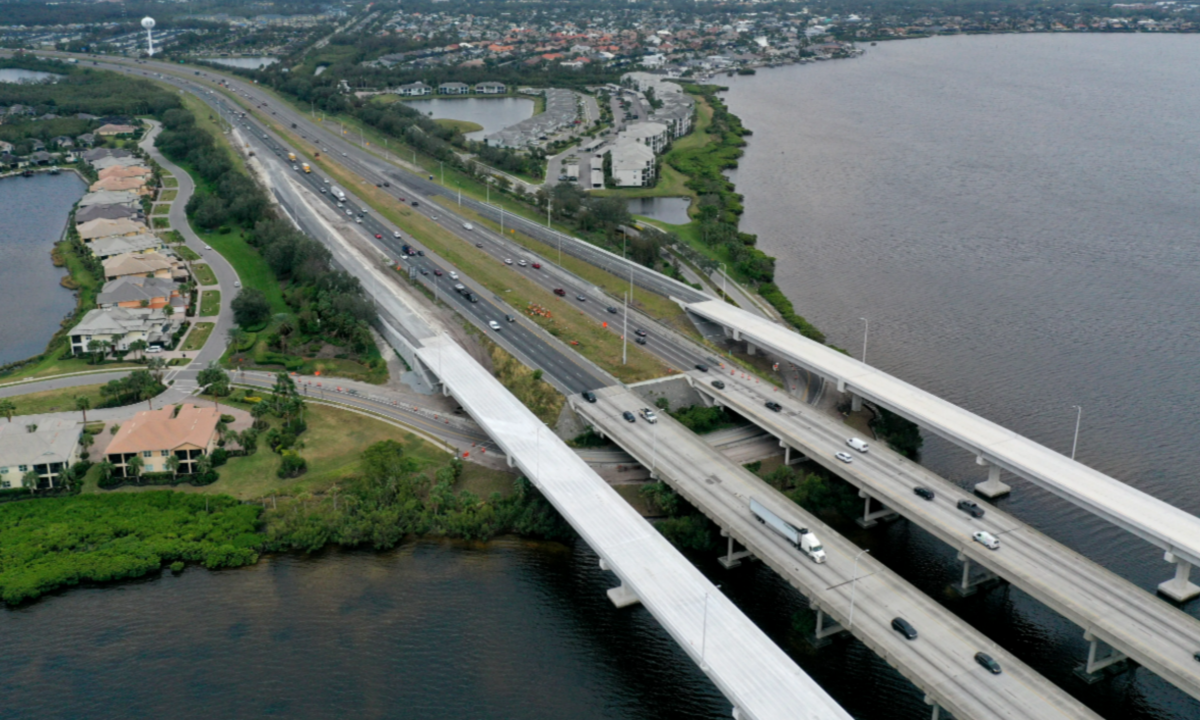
x=940, y=662
x=1159, y=636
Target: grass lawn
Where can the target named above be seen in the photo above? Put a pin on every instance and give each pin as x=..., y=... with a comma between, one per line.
x=204, y=274
x=462, y=126
x=168, y=195
x=170, y=181
x=61, y=364
x=160, y=223
x=198, y=336
x=187, y=253
x=210, y=302
x=160, y=209
x=60, y=400
x=250, y=266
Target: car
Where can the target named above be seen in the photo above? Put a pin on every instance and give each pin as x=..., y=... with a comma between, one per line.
x=774, y=406
x=396, y=234
x=509, y=318
x=424, y=271
x=349, y=212
x=416, y=204
x=208, y=247
x=537, y=266
x=437, y=272
x=453, y=275
x=421, y=253
x=629, y=417
x=472, y=297
x=844, y=457
x=560, y=292
x=858, y=444
x=640, y=341
x=343, y=154
x=493, y=324
x=378, y=185
x=322, y=191
x=386, y=183
x=378, y=236
x=295, y=167
x=649, y=416
x=718, y=384
x=522, y=263
x=154, y=349
x=507, y=261
x=701, y=367
x=358, y=220
x=341, y=204
x=905, y=628
x=640, y=332
x=986, y=660
x=986, y=539
x=589, y=396
x=970, y=508
x=237, y=283
x=923, y=492
x=580, y=298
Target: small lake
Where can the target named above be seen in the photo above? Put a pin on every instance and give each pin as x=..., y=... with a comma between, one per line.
x=248, y=63
x=33, y=213
x=494, y=114
x=17, y=75
x=672, y=210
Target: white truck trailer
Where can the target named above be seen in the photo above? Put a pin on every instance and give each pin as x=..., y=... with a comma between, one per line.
x=338, y=193
x=801, y=538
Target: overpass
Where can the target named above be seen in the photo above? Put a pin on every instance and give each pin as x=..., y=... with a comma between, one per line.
x=1174, y=531
x=851, y=590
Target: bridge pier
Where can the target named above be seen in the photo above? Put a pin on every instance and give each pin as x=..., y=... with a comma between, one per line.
x=871, y=519
x=1100, y=666
x=855, y=402
x=992, y=487
x=620, y=596
x=750, y=349
x=787, y=454
x=732, y=559
x=938, y=712
x=825, y=628
x=970, y=585
x=1179, y=588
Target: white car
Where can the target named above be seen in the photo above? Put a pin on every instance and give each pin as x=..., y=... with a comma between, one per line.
x=208, y=247
x=986, y=539
x=295, y=167
x=507, y=261
x=493, y=324
x=453, y=275
x=844, y=457
x=396, y=234
x=237, y=283
x=858, y=444
x=649, y=416
x=358, y=220
x=522, y=263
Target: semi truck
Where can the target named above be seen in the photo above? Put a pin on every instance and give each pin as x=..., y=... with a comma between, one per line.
x=337, y=193
x=803, y=540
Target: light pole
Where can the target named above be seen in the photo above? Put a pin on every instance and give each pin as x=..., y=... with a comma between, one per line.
x=654, y=459
x=854, y=587
x=442, y=165
x=724, y=282
x=625, y=333
x=1075, y=442
x=866, y=327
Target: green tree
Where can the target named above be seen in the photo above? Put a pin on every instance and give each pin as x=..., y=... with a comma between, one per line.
x=138, y=346
x=215, y=381
x=83, y=404
x=251, y=308
x=8, y=408
x=30, y=479
x=173, y=465
x=133, y=468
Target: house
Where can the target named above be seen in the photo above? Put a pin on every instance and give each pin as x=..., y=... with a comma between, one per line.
x=107, y=247
x=454, y=88
x=6, y=147
x=86, y=140
x=110, y=212
x=41, y=157
x=106, y=162
x=136, y=184
x=131, y=291
x=63, y=142
x=38, y=145
x=632, y=163
x=93, y=229
x=110, y=197
x=122, y=171
x=47, y=448
x=111, y=129
x=414, y=89
x=157, y=435
x=491, y=88
x=144, y=264
x=120, y=326
x=651, y=134
x=99, y=153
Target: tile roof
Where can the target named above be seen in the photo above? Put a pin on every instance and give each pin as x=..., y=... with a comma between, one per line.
x=157, y=430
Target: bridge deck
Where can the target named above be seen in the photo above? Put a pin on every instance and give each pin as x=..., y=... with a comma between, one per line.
x=758, y=678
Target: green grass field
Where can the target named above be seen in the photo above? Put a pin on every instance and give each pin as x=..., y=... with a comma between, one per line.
x=187, y=253
x=168, y=195
x=170, y=182
x=462, y=126
x=60, y=400
x=210, y=302
x=160, y=209
x=160, y=223
x=204, y=274
x=197, y=337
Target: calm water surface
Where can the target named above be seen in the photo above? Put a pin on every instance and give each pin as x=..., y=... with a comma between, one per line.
x=494, y=114
x=33, y=215
x=673, y=210
x=250, y=63
x=19, y=75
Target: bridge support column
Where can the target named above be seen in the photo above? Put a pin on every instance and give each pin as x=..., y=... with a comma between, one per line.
x=1179, y=588
x=825, y=628
x=871, y=519
x=938, y=712
x=620, y=596
x=855, y=402
x=970, y=585
x=787, y=454
x=1100, y=664
x=732, y=559
x=445, y=390
x=750, y=349
x=992, y=488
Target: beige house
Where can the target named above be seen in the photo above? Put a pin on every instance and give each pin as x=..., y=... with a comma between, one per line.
x=136, y=184
x=112, y=129
x=122, y=171
x=48, y=449
x=150, y=264
x=104, y=227
x=156, y=435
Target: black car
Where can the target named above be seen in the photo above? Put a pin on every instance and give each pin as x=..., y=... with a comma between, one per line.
x=774, y=406
x=416, y=204
x=986, y=660
x=923, y=492
x=629, y=417
x=421, y=253
x=701, y=367
x=905, y=628
x=640, y=332
x=510, y=318
x=718, y=384
x=589, y=396
x=386, y=183
x=612, y=309
x=970, y=508
x=640, y=341
x=472, y=298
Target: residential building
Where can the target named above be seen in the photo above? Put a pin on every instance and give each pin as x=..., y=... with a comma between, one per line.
x=135, y=184
x=120, y=326
x=109, y=212
x=131, y=291
x=157, y=435
x=416, y=89
x=111, y=129
x=632, y=163
x=48, y=448
x=454, y=88
x=125, y=171
x=490, y=88
x=145, y=264
x=106, y=162
x=110, y=197
x=651, y=134
x=107, y=247
x=103, y=227
x=6, y=146
x=100, y=153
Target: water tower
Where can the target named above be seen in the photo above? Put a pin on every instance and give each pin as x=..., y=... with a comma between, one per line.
x=148, y=23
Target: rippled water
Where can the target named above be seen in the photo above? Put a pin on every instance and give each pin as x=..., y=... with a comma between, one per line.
x=33, y=215
x=494, y=114
x=672, y=210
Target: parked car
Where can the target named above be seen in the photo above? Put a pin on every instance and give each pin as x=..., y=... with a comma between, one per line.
x=986, y=539
x=858, y=444
x=774, y=406
x=986, y=660
x=844, y=457
x=589, y=396
x=905, y=628
x=923, y=492
x=718, y=384
x=629, y=417
x=970, y=508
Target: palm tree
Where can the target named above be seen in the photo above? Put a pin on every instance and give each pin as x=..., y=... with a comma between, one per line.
x=173, y=466
x=157, y=367
x=285, y=328
x=95, y=348
x=138, y=346
x=83, y=404
x=259, y=412
x=8, y=408
x=134, y=466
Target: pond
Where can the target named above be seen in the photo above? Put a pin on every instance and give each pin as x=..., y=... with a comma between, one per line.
x=18, y=75
x=671, y=210
x=249, y=63
x=494, y=114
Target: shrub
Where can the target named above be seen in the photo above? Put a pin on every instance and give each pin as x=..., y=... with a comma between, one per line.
x=177, y=567
x=219, y=456
x=291, y=466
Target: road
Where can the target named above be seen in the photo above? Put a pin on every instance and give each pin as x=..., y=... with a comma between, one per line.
x=940, y=662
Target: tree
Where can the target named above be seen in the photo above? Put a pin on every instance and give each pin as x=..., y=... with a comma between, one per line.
x=157, y=368
x=168, y=311
x=173, y=465
x=215, y=381
x=285, y=329
x=95, y=348
x=237, y=337
x=8, y=408
x=251, y=308
x=31, y=479
x=83, y=404
x=259, y=412
x=138, y=346
x=134, y=467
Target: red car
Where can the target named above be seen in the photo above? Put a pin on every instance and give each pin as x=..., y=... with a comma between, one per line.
x=560, y=292
x=437, y=272
x=537, y=266
x=378, y=236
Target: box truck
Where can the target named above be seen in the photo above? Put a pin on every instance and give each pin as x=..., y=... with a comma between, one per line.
x=292, y=157
x=803, y=540
x=307, y=169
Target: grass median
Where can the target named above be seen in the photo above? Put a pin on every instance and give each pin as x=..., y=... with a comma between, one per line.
x=198, y=336
x=168, y=195
x=210, y=303
x=204, y=274
x=170, y=182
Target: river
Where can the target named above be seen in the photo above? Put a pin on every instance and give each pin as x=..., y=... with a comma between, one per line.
x=33, y=213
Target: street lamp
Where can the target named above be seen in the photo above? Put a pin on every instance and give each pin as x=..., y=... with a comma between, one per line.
x=625, y=333
x=854, y=587
x=1078, y=416
x=866, y=327
x=724, y=281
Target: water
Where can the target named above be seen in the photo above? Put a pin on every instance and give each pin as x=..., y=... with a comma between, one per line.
x=1017, y=217
x=672, y=210
x=17, y=75
x=33, y=214
x=249, y=63
x=494, y=114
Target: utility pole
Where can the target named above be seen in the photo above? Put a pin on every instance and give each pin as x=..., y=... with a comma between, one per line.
x=1075, y=442
x=854, y=587
x=442, y=164
x=866, y=327
x=625, y=334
